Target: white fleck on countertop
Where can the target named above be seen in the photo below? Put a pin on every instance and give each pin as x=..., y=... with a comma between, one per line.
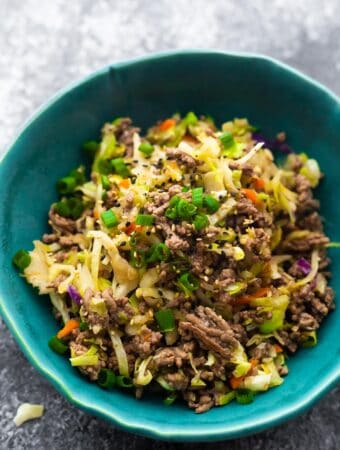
x=44, y=46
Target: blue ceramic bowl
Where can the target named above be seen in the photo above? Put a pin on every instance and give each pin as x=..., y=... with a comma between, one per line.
x=274, y=97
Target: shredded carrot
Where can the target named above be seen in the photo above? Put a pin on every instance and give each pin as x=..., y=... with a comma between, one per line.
x=235, y=382
x=254, y=362
x=125, y=184
x=68, y=327
x=96, y=213
x=166, y=124
x=258, y=183
x=247, y=298
x=278, y=348
x=251, y=195
x=133, y=227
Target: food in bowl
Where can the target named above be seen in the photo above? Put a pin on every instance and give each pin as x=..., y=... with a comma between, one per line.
x=189, y=263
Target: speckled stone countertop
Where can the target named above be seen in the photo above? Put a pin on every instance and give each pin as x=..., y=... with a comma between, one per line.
x=45, y=45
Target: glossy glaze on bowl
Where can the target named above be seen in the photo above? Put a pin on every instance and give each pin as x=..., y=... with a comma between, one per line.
x=273, y=97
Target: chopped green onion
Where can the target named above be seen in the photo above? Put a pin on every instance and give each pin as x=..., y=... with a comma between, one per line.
x=91, y=147
x=185, y=210
x=201, y=221
x=146, y=148
x=174, y=200
x=170, y=399
x=78, y=174
x=71, y=207
x=83, y=326
x=145, y=219
x=226, y=139
x=165, y=319
x=105, y=182
x=124, y=381
x=197, y=197
x=66, y=185
x=120, y=167
x=158, y=252
x=244, y=396
x=104, y=166
x=224, y=399
x=188, y=282
x=333, y=245
x=137, y=259
x=309, y=339
x=109, y=218
x=211, y=204
x=106, y=379
x=57, y=345
x=21, y=259
x=171, y=213
x=191, y=118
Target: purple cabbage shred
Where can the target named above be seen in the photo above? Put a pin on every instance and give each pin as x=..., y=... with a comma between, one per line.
x=273, y=144
x=74, y=294
x=304, y=265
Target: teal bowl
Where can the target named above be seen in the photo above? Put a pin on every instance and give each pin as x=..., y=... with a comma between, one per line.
x=274, y=97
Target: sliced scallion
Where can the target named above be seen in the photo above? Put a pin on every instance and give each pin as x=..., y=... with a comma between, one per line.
x=57, y=345
x=120, y=167
x=244, y=396
x=106, y=378
x=211, y=204
x=197, y=197
x=158, y=252
x=109, y=218
x=165, y=319
x=188, y=282
x=200, y=221
x=146, y=148
x=145, y=219
x=21, y=259
x=66, y=185
x=123, y=381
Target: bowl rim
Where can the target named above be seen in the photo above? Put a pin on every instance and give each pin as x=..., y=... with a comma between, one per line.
x=136, y=426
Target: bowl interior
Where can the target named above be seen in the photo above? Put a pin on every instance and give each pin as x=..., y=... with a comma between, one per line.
x=224, y=86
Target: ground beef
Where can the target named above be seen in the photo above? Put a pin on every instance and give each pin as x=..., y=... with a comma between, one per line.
x=146, y=342
x=50, y=238
x=182, y=157
x=119, y=309
x=211, y=331
x=310, y=222
x=262, y=350
x=201, y=259
x=225, y=278
x=169, y=356
x=259, y=244
x=177, y=380
x=305, y=244
x=62, y=224
x=124, y=132
x=307, y=322
x=200, y=401
x=305, y=202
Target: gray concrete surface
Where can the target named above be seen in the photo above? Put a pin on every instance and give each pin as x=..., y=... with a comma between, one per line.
x=46, y=44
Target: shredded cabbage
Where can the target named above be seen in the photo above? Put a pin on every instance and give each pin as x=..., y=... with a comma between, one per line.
x=60, y=305
x=120, y=352
x=37, y=273
x=28, y=411
x=143, y=376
